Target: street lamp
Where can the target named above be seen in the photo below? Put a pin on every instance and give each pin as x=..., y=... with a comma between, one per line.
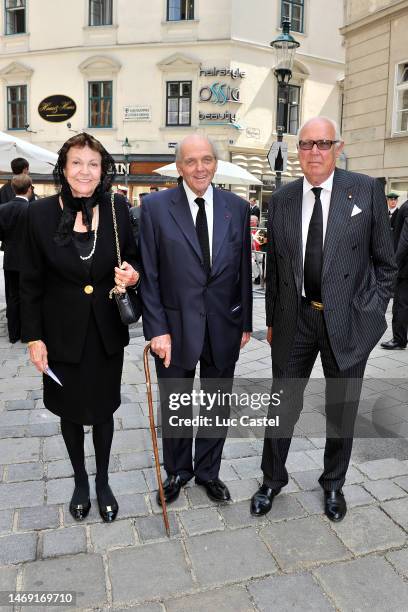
x=285, y=47
x=127, y=149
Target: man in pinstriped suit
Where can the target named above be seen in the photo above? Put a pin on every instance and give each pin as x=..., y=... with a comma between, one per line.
x=330, y=272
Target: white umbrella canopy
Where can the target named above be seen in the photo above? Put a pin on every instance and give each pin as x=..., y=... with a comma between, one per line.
x=228, y=173
x=41, y=160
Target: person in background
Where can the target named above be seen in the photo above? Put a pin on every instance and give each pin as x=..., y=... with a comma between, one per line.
x=153, y=189
x=19, y=165
x=72, y=328
x=12, y=233
x=392, y=203
x=254, y=208
x=256, y=268
x=122, y=190
x=134, y=213
x=400, y=303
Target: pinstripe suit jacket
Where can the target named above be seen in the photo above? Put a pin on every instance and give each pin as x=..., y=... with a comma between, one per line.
x=358, y=267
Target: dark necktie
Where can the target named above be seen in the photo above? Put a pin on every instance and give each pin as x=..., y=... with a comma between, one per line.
x=202, y=234
x=314, y=251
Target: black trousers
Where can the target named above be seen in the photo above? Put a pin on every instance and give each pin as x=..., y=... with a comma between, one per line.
x=12, y=291
x=400, y=312
x=342, y=397
x=177, y=451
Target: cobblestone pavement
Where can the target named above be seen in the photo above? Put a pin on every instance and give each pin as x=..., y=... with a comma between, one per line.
x=219, y=558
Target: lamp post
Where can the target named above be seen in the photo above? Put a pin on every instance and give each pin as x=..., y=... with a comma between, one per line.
x=127, y=149
x=285, y=47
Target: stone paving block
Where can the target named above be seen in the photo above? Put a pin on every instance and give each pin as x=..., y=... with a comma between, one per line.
x=119, y=534
x=384, y=489
x=59, y=469
x=383, y=468
x=248, y=467
x=368, y=529
x=289, y=593
x=83, y=574
x=399, y=560
x=17, y=451
x=147, y=572
x=150, y=477
x=227, y=472
x=301, y=444
x=126, y=483
x=357, y=496
x=307, y=480
x=197, y=497
x=285, y=506
x=132, y=505
x=67, y=541
x=8, y=577
x=242, y=490
x=136, y=461
x=6, y=520
x=59, y=490
x=18, y=548
x=222, y=600
x=402, y=482
x=131, y=440
x=397, y=509
x=369, y=583
x=229, y=556
x=151, y=528
x=300, y=462
x=180, y=503
x=16, y=417
x=19, y=472
x=42, y=430
x=20, y=404
x=238, y=515
x=21, y=494
x=237, y=449
x=312, y=501
x=201, y=520
x=302, y=543
x=54, y=448
x=39, y=517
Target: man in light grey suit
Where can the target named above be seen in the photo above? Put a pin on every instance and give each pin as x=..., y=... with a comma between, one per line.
x=330, y=271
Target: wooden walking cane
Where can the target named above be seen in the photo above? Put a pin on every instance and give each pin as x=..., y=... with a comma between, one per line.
x=154, y=436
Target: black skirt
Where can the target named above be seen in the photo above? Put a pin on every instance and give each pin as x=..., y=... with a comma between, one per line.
x=91, y=389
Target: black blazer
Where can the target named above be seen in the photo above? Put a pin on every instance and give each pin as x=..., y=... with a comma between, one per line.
x=54, y=305
x=12, y=232
x=399, y=229
x=358, y=267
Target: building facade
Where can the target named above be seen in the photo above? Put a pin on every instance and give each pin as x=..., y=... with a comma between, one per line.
x=147, y=74
x=375, y=124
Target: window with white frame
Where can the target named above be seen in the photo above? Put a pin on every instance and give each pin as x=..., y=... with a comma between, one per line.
x=401, y=94
x=180, y=10
x=100, y=104
x=100, y=12
x=294, y=11
x=15, y=17
x=178, y=103
x=16, y=107
x=291, y=115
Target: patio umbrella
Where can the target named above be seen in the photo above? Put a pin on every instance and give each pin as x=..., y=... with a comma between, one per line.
x=41, y=160
x=228, y=173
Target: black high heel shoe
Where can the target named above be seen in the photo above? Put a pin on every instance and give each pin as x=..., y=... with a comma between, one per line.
x=108, y=505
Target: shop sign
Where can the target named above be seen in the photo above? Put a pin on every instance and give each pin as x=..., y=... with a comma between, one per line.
x=137, y=113
x=234, y=73
x=219, y=93
x=57, y=108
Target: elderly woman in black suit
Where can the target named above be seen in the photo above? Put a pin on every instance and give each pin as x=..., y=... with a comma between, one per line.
x=68, y=320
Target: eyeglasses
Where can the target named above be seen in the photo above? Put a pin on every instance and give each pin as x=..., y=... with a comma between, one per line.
x=322, y=145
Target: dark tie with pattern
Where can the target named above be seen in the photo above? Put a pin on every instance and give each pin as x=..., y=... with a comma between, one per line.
x=202, y=234
x=314, y=251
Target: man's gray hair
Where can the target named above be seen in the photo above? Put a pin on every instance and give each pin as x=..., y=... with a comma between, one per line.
x=179, y=145
x=333, y=123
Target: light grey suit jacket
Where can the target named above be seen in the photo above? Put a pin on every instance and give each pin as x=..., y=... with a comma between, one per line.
x=358, y=267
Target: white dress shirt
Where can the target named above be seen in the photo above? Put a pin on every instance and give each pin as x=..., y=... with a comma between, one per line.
x=208, y=198
x=307, y=211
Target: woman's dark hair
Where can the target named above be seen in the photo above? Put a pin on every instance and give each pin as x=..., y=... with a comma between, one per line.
x=82, y=140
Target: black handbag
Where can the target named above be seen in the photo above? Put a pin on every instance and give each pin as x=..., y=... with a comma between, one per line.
x=128, y=303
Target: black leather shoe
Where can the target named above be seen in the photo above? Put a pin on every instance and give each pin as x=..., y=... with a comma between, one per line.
x=171, y=488
x=335, y=506
x=261, y=501
x=393, y=345
x=80, y=511
x=108, y=511
x=216, y=489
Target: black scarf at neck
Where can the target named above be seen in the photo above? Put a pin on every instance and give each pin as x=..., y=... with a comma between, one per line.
x=72, y=206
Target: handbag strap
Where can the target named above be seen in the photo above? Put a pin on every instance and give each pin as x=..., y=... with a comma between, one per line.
x=115, y=230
